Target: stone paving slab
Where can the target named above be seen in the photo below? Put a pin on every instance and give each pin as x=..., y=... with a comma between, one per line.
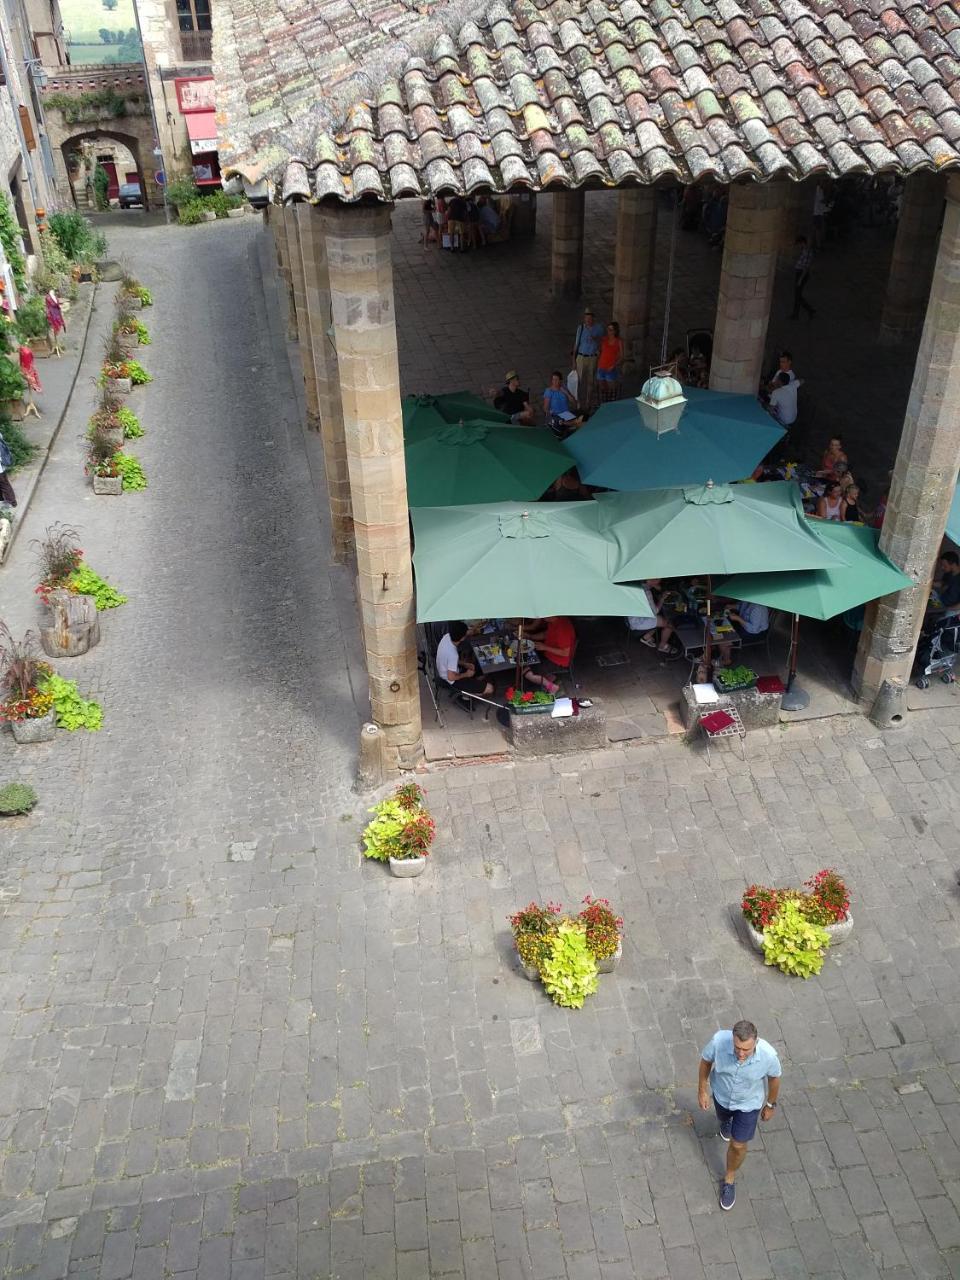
x=231, y=1047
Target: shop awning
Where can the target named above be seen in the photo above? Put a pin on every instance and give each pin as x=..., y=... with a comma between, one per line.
x=202, y=131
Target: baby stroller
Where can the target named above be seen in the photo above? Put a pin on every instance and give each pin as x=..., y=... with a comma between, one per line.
x=937, y=652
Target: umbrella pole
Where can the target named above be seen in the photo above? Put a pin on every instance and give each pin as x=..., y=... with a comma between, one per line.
x=519, y=680
x=794, y=699
x=706, y=662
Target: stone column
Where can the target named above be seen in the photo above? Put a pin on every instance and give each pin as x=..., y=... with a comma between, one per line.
x=303, y=319
x=746, y=286
x=925, y=474
x=278, y=225
x=364, y=322
x=567, y=258
x=316, y=277
x=914, y=253
x=633, y=272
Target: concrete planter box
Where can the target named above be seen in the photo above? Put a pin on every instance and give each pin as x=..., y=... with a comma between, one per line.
x=108, y=485
x=39, y=730
x=529, y=971
x=41, y=347
x=133, y=302
x=235, y=213
x=114, y=435
x=408, y=867
x=838, y=933
x=541, y=735
x=122, y=386
x=16, y=410
x=208, y=215
x=610, y=963
x=129, y=342
x=757, y=710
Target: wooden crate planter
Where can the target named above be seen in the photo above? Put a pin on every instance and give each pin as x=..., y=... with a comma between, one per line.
x=74, y=623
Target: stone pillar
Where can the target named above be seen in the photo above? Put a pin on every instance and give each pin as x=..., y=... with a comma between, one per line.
x=924, y=476
x=316, y=277
x=633, y=272
x=746, y=286
x=567, y=258
x=303, y=318
x=279, y=224
x=914, y=253
x=364, y=322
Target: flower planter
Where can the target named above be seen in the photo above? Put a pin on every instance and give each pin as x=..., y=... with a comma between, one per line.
x=132, y=301
x=838, y=933
x=129, y=342
x=122, y=386
x=114, y=435
x=406, y=867
x=529, y=971
x=609, y=963
x=41, y=347
x=235, y=213
x=531, y=708
x=208, y=215
x=108, y=484
x=41, y=729
x=15, y=410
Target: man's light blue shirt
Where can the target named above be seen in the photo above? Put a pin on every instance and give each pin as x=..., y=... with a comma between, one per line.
x=740, y=1086
x=588, y=339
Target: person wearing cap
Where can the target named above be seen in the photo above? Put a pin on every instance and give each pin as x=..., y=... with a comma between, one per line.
x=512, y=400
x=586, y=349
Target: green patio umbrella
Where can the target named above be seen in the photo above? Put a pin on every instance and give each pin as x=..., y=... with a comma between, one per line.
x=511, y=559
x=454, y=406
x=711, y=529
x=475, y=461
x=822, y=593
x=721, y=436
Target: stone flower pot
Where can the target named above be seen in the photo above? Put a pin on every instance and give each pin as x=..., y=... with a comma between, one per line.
x=529, y=971
x=122, y=386
x=235, y=213
x=41, y=729
x=406, y=867
x=208, y=215
x=114, y=435
x=108, y=484
x=609, y=963
x=129, y=342
x=838, y=933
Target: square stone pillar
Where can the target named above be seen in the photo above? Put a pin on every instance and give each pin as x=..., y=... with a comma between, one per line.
x=278, y=225
x=326, y=376
x=633, y=272
x=365, y=337
x=292, y=226
x=746, y=286
x=914, y=253
x=925, y=474
x=567, y=257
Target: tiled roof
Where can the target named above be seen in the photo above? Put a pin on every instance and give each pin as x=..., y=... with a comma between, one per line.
x=385, y=99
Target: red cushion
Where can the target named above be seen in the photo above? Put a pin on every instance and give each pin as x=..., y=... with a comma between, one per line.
x=716, y=721
x=770, y=684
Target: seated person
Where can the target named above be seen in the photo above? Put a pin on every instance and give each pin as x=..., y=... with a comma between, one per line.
x=511, y=399
x=946, y=585
x=653, y=621
x=853, y=509
x=783, y=398
x=843, y=477
x=832, y=455
x=560, y=407
x=462, y=675
x=555, y=641
x=830, y=506
x=568, y=488
x=751, y=622
x=490, y=221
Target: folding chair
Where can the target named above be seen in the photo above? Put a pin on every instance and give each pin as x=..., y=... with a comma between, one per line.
x=723, y=723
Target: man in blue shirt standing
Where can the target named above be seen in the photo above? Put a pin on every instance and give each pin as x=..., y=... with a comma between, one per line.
x=742, y=1073
x=586, y=349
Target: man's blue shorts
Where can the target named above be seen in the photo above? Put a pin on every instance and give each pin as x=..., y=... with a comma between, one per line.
x=743, y=1124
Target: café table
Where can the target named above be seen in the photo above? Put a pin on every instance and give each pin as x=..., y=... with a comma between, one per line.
x=491, y=654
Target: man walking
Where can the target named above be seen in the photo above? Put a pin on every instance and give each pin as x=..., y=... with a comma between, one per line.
x=801, y=275
x=742, y=1073
x=586, y=349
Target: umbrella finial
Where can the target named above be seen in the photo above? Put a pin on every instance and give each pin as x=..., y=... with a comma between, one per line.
x=709, y=484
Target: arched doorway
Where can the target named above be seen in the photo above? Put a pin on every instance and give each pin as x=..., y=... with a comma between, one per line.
x=120, y=153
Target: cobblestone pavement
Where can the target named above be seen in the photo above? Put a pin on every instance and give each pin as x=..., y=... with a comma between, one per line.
x=230, y=1049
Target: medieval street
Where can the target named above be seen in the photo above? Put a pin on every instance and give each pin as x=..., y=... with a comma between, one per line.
x=231, y=1046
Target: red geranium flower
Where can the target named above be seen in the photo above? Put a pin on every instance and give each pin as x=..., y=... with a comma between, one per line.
x=528, y=697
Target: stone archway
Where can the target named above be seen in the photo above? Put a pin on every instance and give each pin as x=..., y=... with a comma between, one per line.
x=71, y=147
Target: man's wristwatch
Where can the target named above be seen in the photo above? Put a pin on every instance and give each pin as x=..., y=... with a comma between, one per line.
x=770, y=1104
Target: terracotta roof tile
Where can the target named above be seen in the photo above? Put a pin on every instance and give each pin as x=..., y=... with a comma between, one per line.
x=354, y=99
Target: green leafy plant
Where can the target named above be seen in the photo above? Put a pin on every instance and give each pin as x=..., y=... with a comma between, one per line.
x=12, y=382
x=31, y=319
x=128, y=323
x=20, y=447
x=73, y=712
x=55, y=272
x=191, y=212
x=794, y=944
x=181, y=191
x=101, y=453
x=825, y=902
x=734, y=677
x=132, y=429
x=569, y=970
x=145, y=296
x=528, y=698
x=134, y=476
x=401, y=826
x=101, y=186
x=137, y=373
x=11, y=237
x=84, y=581
x=74, y=235
x=84, y=108
x=16, y=798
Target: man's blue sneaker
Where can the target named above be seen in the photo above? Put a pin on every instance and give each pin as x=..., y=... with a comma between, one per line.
x=728, y=1195
x=726, y=1130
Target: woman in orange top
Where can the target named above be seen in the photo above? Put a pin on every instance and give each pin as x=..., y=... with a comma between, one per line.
x=556, y=641
x=834, y=454
x=610, y=363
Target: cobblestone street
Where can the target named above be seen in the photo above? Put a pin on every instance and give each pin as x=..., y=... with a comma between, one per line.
x=232, y=1047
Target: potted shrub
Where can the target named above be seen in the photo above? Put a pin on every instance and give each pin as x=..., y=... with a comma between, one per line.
x=401, y=832
x=823, y=902
x=131, y=331
x=12, y=387
x=569, y=970
x=133, y=294
x=102, y=465
x=24, y=700
x=794, y=943
x=604, y=931
x=60, y=560
x=16, y=798
x=728, y=679
x=533, y=927
x=33, y=328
